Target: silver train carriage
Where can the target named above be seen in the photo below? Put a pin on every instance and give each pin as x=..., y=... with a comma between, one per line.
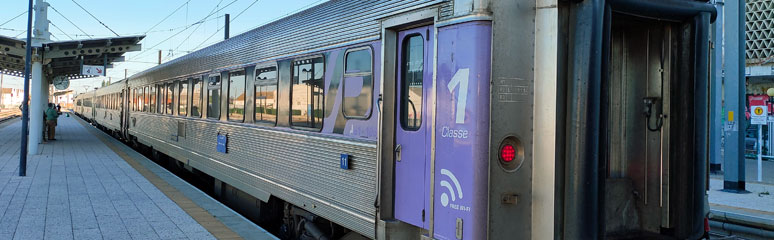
x=464, y=119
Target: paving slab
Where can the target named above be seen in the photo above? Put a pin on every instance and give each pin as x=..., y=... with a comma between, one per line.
x=86, y=185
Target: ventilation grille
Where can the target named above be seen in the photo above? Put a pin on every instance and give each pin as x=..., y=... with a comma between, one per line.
x=759, y=30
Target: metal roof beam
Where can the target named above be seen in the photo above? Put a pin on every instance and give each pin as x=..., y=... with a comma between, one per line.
x=57, y=52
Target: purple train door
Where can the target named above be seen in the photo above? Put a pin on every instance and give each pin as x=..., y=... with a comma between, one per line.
x=414, y=82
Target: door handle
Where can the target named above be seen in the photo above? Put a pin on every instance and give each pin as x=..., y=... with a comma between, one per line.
x=397, y=153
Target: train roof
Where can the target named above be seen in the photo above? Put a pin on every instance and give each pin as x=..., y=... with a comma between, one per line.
x=329, y=24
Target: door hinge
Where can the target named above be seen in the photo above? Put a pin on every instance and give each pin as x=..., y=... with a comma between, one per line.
x=423, y=215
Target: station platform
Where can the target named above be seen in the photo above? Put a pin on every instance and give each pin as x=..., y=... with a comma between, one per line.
x=747, y=215
x=87, y=185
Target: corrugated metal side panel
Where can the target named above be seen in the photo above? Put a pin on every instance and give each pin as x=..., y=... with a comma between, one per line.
x=331, y=23
x=300, y=168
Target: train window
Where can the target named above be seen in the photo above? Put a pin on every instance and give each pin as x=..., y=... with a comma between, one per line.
x=236, y=96
x=196, y=98
x=358, y=75
x=133, y=99
x=161, y=90
x=307, y=93
x=153, y=107
x=213, y=97
x=182, y=105
x=266, y=94
x=140, y=98
x=170, y=98
x=412, y=88
x=146, y=106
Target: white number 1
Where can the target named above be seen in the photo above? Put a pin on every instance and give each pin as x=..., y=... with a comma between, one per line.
x=460, y=78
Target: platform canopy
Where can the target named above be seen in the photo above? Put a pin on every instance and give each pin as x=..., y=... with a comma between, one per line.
x=65, y=58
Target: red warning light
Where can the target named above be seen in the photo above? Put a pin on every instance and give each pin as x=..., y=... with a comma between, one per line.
x=508, y=153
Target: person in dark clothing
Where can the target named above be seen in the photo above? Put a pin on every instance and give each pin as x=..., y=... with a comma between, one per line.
x=51, y=116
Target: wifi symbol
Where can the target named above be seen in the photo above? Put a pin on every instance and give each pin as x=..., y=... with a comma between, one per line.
x=444, y=183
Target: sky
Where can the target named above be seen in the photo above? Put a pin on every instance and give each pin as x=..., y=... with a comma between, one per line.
x=175, y=36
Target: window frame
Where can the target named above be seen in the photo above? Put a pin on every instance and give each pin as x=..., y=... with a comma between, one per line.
x=228, y=95
x=292, y=76
x=169, y=110
x=146, y=97
x=404, y=84
x=344, y=82
x=201, y=96
x=179, y=93
x=257, y=83
x=153, y=98
x=220, y=90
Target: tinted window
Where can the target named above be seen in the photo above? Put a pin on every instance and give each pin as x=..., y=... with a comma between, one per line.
x=170, y=98
x=236, y=96
x=182, y=105
x=196, y=99
x=307, y=93
x=153, y=107
x=213, y=97
x=266, y=94
x=140, y=99
x=358, y=84
x=412, y=90
x=146, y=97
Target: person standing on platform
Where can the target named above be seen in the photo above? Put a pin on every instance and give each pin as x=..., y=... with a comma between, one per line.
x=51, y=116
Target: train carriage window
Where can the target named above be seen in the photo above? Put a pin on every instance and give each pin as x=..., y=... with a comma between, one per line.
x=170, y=98
x=412, y=89
x=146, y=106
x=196, y=98
x=358, y=83
x=153, y=107
x=182, y=98
x=161, y=90
x=266, y=95
x=140, y=98
x=133, y=99
x=213, y=97
x=307, y=97
x=236, y=96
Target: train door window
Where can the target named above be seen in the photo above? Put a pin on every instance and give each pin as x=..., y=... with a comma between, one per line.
x=411, y=99
x=307, y=93
x=236, y=96
x=266, y=94
x=213, y=97
x=358, y=83
x=182, y=105
x=146, y=106
x=153, y=107
x=170, y=99
x=133, y=99
x=196, y=98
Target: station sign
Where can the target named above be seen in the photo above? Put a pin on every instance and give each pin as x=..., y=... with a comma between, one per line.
x=758, y=114
x=93, y=70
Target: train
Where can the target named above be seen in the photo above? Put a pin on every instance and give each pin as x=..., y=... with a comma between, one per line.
x=442, y=119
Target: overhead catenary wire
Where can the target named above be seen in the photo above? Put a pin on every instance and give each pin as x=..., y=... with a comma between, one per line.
x=170, y=14
x=221, y=28
x=17, y=16
x=189, y=26
x=63, y=32
x=95, y=18
x=197, y=27
x=71, y=22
